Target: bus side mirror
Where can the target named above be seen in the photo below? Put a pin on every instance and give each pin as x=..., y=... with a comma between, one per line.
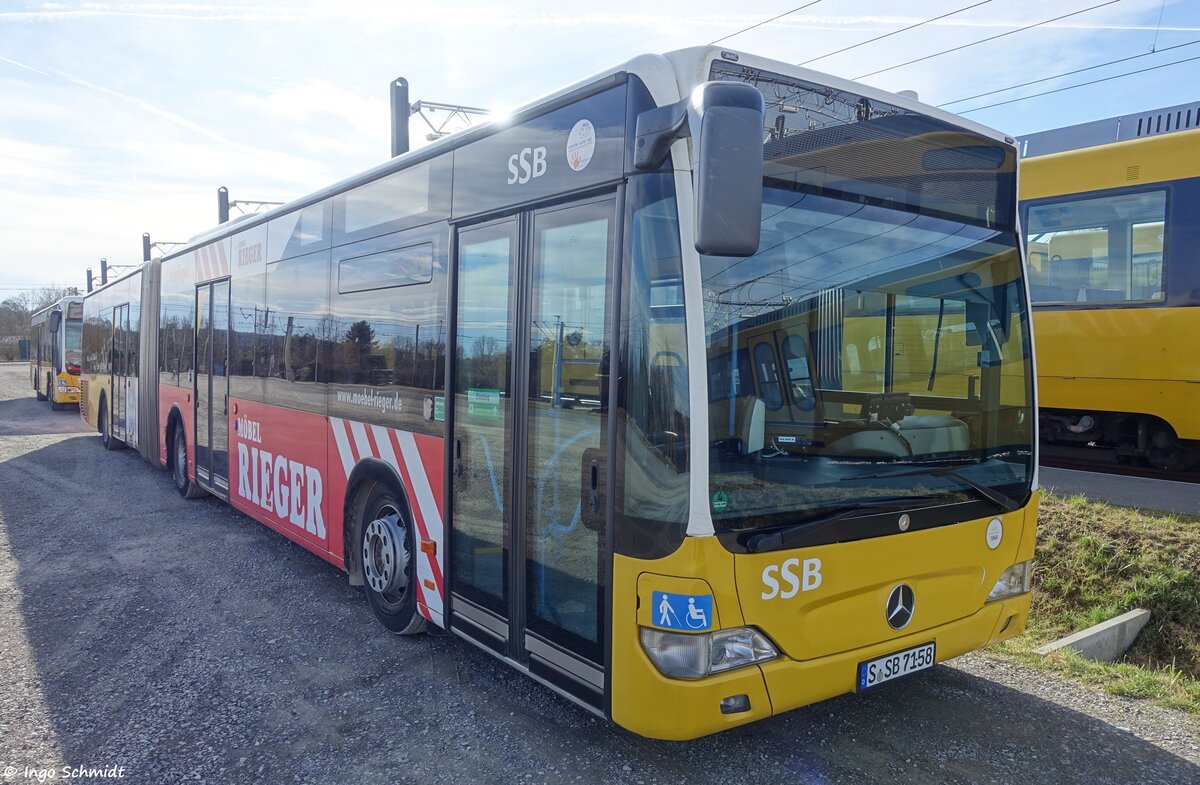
x=727, y=118
x=54, y=321
x=725, y=123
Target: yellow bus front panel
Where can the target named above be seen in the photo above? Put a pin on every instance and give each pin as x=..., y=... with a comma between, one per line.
x=826, y=628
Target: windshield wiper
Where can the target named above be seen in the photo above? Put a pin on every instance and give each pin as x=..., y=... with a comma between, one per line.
x=785, y=537
x=990, y=494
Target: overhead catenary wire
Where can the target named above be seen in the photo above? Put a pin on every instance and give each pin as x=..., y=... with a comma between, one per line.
x=763, y=22
x=894, y=32
x=1066, y=73
x=1158, y=29
x=1081, y=84
x=989, y=38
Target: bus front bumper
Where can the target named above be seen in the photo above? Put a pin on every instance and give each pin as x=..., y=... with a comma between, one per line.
x=653, y=705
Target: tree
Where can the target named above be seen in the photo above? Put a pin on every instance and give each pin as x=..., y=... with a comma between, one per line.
x=16, y=310
x=32, y=300
x=360, y=333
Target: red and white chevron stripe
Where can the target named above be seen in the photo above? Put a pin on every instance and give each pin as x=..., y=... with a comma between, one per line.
x=417, y=459
x=211, y=262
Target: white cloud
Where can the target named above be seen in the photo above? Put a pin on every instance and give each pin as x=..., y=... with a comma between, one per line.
x=20, y=159
x=300, y=102
x=124, y=117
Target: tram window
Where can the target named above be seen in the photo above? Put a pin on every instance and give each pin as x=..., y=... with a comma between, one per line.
x=768, y=375
x=795, y=355
x=730, y=379
x=1106, y=249
x=1147, y=263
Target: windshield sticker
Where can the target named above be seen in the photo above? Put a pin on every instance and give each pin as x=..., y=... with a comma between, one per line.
x=688, y=612
x=720, y=501
x=581, y=143
x=483, y=403
x=995, y=533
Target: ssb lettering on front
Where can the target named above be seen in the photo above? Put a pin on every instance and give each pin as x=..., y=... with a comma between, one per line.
x=809, y=578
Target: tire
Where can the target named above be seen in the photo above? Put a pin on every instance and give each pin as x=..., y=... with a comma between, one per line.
x=179, y=475
x=55, y=405
x=106, y=437
x=396, y=609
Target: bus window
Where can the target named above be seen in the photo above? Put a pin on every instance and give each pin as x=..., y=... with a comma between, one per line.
x=296, y=323
x=411, y=197
x=653, y=411
x=300, y=232
x=398, y=267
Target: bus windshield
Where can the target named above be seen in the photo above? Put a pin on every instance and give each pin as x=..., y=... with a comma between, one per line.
x=874, y=353
x=73, y=341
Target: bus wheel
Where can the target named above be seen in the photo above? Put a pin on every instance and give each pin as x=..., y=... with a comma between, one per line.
x=55, y=405
x=388, y=567
x=103, y=426
x=179, y=473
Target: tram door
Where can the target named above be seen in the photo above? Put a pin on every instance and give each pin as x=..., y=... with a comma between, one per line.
x=528, y=453
x=212, y=386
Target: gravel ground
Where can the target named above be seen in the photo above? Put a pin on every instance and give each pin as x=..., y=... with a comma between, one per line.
x=187, y=643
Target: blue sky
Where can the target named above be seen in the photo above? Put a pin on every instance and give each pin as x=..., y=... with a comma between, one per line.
x=123, y=118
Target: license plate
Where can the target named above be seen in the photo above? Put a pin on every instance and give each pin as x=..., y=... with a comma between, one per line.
x=874, y=672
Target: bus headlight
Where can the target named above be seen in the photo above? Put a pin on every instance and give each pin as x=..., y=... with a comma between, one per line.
x=1013, y=581
x=684, y=656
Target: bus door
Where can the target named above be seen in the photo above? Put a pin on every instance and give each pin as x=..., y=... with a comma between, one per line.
x=212, y=387
x=529, y=545
x=120, y=354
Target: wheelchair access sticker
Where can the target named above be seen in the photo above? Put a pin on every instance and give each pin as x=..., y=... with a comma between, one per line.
x=687, y=612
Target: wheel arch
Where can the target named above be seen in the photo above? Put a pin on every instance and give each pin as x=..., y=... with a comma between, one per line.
x=174, y=416
x=365, y=473
x=102, y=407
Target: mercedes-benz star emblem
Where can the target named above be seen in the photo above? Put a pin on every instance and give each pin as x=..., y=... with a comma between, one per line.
x=900, y=606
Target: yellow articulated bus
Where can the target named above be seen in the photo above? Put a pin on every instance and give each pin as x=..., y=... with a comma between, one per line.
x=698, y=391
x=55, y=334
x=1110, y=215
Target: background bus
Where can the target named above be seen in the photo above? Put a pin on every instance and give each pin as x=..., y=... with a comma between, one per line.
x=527, y=384
x=1111, y=210
x=120, y=357
x=55, y=338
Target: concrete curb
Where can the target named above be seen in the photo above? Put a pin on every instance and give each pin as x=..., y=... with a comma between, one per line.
x=1106, y=641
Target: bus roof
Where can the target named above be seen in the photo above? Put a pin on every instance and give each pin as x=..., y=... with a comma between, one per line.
x=137, y=270
x=43, y=312
x=685, y=67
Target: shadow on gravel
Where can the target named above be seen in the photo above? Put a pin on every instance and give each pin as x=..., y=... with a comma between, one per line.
x=183, y=640
x=31, y=417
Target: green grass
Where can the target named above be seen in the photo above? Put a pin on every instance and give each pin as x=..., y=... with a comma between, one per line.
x=1094, y=562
